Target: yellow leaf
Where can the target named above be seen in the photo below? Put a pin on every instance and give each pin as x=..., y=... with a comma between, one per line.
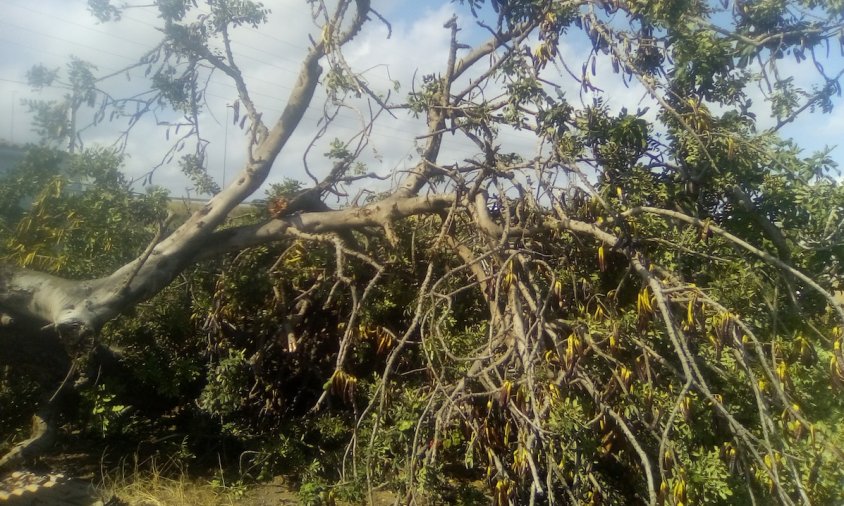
x=602, y=259
x=690, y=314
x=782, y=371
x=558, y=289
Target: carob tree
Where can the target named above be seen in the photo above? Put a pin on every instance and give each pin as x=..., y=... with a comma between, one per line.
x=645, y=299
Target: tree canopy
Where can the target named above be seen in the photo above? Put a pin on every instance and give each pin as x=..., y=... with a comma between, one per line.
x=629, y=307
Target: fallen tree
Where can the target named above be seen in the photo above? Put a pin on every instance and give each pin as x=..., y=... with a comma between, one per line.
x=634, y=271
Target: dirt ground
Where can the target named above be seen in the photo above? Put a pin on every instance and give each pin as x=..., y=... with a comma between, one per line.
x=25, y=488
x=68, y=478
x=278, y=492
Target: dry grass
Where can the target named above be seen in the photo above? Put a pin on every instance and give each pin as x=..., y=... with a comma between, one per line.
x=151, y=483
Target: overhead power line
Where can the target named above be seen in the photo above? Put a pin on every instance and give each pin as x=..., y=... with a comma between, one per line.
x=42, y=13
x=62, y=39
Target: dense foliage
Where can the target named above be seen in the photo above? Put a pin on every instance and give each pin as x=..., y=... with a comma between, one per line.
x=639, y=312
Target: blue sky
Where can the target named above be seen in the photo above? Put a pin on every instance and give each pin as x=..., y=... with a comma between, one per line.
x=49, y=31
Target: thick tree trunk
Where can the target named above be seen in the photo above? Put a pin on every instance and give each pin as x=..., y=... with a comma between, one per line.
x=76, y=308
